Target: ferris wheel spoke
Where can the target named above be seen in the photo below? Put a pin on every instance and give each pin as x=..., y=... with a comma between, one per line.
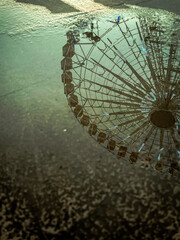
x=80, y=80
x=176, y=80
x=123, y=101
x=140, y=128
x=146, y=35
x=129, y=96
x=121, y=113
x=176, y=76
x=142, y=81
x=149, y=133
x=149, y=44
x=169, y=67
x=133, y=105
x=131, y=121
x=101, y=75
x=90, y=51
x=149, y=64
x=142, y=125
x=147, y=137
x=176, y=142
x=157, y=87
x=161, y=138
x=104, y=34
x=160, y=63
x=118, y=77
x=159, y=56
x=169, y=139
x=100, y=94
x=170, y=147
x=150, y=148
x=85, y=57
x=139, y=134
x=156, y=79
x=125, y=112
x=173, y=85
x=79, y=63
x=137, y=58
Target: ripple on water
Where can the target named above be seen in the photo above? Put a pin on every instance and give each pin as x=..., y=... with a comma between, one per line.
x=19, y=18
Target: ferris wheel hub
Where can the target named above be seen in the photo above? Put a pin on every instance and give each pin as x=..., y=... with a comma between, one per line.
x=162, y=119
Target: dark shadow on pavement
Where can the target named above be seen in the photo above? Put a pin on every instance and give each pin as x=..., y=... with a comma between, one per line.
x=171, y=6
x=55, y=6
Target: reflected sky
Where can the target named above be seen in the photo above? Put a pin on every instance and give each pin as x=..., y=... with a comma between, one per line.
x=31, y=44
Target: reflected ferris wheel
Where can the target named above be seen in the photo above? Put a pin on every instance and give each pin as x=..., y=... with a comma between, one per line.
x=121, y=79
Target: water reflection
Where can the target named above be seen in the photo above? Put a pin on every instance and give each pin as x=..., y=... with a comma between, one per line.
x=122, y=83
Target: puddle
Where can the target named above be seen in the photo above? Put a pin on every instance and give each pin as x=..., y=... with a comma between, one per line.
x=31, y=41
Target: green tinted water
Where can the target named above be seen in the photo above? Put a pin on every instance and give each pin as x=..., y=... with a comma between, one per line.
x=31, y=41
